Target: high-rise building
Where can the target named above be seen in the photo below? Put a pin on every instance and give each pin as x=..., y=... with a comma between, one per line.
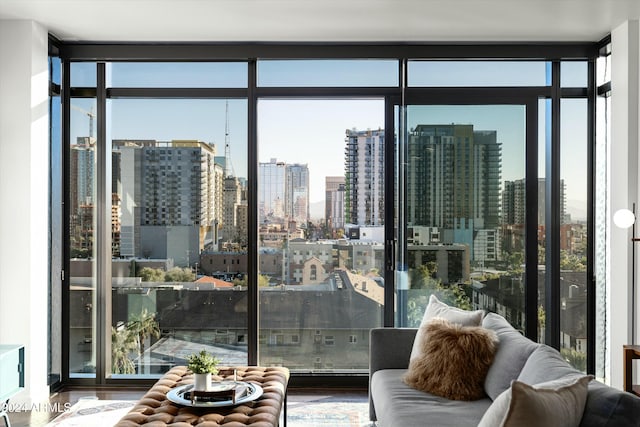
x=297, y=193
x=334, y=202
x=232, y=219
x=453, y=183
x=82, y=166
x=171, y=197
x=271, y=191
x=453, y=177
x=127, y=176
x=364, y=177
x=513, y=202
x=487, y=170
x=81, y=194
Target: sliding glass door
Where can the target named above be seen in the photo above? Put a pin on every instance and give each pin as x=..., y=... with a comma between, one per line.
x=463, y=169
x=273, y=211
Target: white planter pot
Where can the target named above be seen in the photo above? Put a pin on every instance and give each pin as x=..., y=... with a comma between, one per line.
x=202, y=382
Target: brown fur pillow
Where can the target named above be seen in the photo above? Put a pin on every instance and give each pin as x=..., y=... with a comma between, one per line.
x=453, y=361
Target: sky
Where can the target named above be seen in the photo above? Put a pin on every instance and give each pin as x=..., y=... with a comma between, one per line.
x=313, y=131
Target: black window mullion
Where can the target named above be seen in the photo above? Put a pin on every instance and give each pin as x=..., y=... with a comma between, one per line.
x=389, y=215
x=66, y=215
x=253, y=302
x=396, y=227
x=552, y=218
x=197, y=93
x=103, y=235
x=531, y=222
x=241, y=51
x=360, y=92
x=591, y=183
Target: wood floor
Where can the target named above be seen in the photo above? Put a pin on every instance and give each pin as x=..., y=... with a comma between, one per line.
x=42, y=415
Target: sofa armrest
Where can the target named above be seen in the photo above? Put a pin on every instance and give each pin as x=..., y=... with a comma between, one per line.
x=389, y=348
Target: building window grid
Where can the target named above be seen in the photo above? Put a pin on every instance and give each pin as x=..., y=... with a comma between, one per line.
x=329, y=340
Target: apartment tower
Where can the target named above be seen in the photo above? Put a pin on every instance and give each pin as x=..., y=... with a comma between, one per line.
x=364, y=177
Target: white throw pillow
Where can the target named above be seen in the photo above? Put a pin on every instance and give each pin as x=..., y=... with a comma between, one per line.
x=436, y=308
x=554, y=403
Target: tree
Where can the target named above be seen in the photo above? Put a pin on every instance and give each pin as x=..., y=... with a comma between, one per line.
x=142, y=327
x=130, y=338
x=542, y=316
x=148, y=274
x=122, y=345
x=423, y=278
x=575, y=358
x=177, y=274
x=571, y=262
x=416, y=305
x=542, y=255
x=515, y=262
x=263, y=281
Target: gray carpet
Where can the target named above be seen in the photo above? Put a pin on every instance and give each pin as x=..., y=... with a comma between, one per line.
x=316, y=411
x=328, y=412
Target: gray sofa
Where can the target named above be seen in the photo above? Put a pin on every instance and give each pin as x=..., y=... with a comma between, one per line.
x=392, y=403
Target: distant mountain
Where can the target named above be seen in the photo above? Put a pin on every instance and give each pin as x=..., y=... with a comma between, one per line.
x=577, y=209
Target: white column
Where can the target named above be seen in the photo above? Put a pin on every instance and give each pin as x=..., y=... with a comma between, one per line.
x=24, y=169
x=622, y=192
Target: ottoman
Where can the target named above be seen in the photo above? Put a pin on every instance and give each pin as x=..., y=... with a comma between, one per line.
x=155, y=410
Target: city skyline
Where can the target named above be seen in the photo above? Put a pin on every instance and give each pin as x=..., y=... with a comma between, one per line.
x=313, y=132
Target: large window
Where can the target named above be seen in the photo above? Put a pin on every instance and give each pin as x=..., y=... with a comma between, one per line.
x=321, y=231
x=178, y=231
x=171, y=171
x=273, y=211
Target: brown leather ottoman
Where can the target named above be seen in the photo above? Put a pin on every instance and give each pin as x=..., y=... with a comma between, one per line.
x=155, y=410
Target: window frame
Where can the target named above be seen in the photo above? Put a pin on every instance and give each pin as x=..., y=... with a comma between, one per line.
x=400, y=95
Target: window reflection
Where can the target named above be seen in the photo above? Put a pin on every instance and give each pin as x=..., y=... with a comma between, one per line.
x=465, y=209
x=82, y=231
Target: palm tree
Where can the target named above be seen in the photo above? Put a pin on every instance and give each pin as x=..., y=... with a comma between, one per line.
x=122, y=344
x=142, y=327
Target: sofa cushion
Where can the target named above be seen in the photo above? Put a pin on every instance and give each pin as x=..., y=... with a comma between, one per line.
x=513, y=351
x=454, y=360
x=437, y=308
x=607, y=406
x=555, y=403
x=397, y=404
x=545, y=364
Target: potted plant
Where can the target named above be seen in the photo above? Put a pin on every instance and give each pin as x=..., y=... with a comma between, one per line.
x=203, y=365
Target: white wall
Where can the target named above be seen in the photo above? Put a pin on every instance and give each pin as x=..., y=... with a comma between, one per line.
x=24, y=167
x=622, y=192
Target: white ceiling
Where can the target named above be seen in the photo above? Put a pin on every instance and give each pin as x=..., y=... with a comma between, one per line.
x=325, y=20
